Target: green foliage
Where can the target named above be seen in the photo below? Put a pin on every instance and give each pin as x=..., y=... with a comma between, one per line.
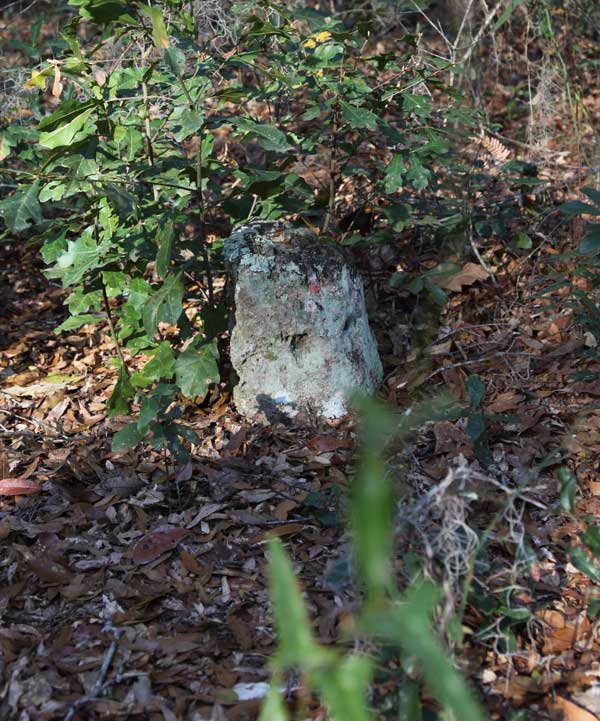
x=476, y=420
x=21, y=208
x=583, y=265
x=590, y=243
x=196, y=367
x=568, y=488
x=126, y=175
x=127, y=172
x=404, y=621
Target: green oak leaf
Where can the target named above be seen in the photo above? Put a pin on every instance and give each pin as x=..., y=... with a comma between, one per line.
x=81, y=255
x=160, y=366
x=22, y=207
x=62, y=126
x=118, y=403
x=358, y=117
x=196, y=367
x=127, y=437
x=165, y=305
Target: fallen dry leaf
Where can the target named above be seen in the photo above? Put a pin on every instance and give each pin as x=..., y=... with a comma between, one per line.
x=4, y=465
x=18, y=487
x=154, y=544
x=507, y=401
x=45, y=387
x=561, y=633
x=573, y=712
x=285, y=530
x=324, y=444
x=282, y=509
x=441, y=348
x=470, y=273
x=44, y=567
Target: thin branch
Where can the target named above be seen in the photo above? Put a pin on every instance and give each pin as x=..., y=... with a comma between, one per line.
x=482, y=29
x=111, y=325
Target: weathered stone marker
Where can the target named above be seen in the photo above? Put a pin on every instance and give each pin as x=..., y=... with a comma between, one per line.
x=301, y=339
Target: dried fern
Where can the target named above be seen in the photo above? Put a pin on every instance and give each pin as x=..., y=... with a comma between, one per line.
x=497, y=151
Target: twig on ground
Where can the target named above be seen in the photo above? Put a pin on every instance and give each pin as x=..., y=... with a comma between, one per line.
x=100, y=680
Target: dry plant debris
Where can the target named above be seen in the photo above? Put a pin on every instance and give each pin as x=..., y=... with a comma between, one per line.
x=134, y=590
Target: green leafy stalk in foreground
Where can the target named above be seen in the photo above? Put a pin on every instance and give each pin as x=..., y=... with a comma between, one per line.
x=342, y=681
x=404, y=621
x=407, y=624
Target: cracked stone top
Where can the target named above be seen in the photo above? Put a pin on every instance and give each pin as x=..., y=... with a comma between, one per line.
x=257, y=246
x=301, y=338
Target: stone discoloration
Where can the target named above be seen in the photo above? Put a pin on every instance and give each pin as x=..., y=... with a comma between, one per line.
x=301, y=339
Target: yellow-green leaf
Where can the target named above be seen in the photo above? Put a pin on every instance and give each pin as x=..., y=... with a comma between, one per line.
x=159, y=31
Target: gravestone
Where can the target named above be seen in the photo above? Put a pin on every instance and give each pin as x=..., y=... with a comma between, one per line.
x=301, y=339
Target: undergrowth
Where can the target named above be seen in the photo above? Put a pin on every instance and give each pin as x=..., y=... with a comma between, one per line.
x=138, y=139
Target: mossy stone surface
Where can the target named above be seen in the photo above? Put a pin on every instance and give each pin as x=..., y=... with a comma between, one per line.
x=301, y=339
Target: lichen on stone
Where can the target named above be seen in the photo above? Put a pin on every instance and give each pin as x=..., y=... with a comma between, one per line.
x=301, y=337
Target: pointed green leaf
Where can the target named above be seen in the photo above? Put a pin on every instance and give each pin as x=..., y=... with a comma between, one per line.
x=417, y=104
x=159, y=31
x=344, y=687
x=273, y=708
x=164, y=306
x=568, y=488
x=118, y=403
x=371, y=518
x=591, y=538
x=21, y=208
x=417, y=174
x=269, y=136
x=584, y=563
x=409, y=624
x=165, y=245
x=576, y=207
x=593, y=195
x=358, y=117
x=76, y=321
x=149, y=412
x=62, y=126
x=100, y=11
x=393, y=174
x=476, y=388
x=196, y=367
x=160, y=366
x=175, y=59
x=397, y=215
x=409, y=701
x=297, y=646
x=590, y=243
x=214, y=320
x=81, y=256
x=127, y=437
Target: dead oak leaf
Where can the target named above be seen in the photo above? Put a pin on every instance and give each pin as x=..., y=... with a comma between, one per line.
x=154, y=544
x=506, y=401
x=287, y=529
x=18, y=487
x=573, y=712
x=325, y=444
x=470, y=273
x=560, y=632
x=44, y=567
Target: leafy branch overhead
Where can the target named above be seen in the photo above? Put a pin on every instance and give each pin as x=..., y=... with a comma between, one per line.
x=129, y=171
x=162, y=555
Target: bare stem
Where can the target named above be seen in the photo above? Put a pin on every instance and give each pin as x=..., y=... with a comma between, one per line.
x=332, y=164
x=111, y=325
x=201, y=206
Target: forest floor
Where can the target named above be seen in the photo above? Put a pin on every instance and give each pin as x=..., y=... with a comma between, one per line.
x=175, y=555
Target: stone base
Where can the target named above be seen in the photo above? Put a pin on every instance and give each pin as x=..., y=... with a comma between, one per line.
x=301, y=339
